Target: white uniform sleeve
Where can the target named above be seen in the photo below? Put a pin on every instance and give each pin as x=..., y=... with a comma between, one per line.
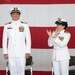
x=28, y=40
x=4, y=41
x=50, y=40
x=64, y=42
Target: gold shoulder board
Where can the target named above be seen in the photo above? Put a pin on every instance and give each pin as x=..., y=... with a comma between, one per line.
x=7, y=23
x=66, y=32
x=24, y=22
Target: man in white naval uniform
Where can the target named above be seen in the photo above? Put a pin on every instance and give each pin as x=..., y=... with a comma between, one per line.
x=16, y=43
x=59, y=40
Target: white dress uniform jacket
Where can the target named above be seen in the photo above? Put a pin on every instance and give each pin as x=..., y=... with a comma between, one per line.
x=17, y=35
x=59, y=44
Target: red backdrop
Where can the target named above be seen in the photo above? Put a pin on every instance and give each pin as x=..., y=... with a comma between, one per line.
x=39, y=37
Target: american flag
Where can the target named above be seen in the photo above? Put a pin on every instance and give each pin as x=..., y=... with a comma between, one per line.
x=40, y=15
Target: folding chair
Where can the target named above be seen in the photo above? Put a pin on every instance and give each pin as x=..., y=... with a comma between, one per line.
x=72, y=64
x=29, y=63
x=28, y=70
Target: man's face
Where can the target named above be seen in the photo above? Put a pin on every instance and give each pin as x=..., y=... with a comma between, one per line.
x=15, y=16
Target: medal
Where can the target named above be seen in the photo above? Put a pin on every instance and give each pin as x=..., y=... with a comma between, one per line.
x=21, y=29
x=61, y=38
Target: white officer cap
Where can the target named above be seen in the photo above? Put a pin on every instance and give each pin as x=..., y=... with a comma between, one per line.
x=61, y=21
x=15, y=10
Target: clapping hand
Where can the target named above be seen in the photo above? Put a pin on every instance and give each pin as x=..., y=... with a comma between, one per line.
x=49, y=32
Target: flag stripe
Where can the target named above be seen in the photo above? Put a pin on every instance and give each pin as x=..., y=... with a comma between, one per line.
x=37, y=1
x=42, y=59
x=39, y=37
x=40, y=15
x=3, y=72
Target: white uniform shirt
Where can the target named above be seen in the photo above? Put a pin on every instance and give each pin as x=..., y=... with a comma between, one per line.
x=59, y=44
x=19, y=43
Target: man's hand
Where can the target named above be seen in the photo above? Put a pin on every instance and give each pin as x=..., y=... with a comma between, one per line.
x=27, y=55
x=6, y=56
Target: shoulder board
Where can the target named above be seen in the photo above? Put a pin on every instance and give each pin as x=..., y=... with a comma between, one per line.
x=24, y=22
x=66, y=32
x=8, y=23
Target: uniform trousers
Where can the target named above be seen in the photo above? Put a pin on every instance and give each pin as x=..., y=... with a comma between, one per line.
x=61, y=67
x=17, y=65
